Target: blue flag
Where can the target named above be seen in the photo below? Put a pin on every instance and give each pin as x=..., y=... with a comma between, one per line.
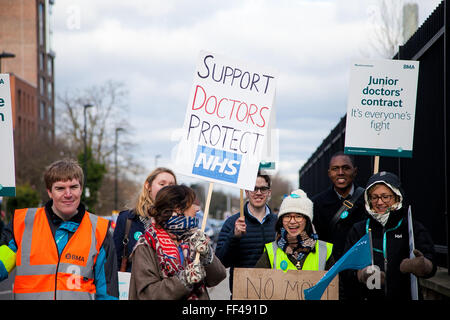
x=358, y=257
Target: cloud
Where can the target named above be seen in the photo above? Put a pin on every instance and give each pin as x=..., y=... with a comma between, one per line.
x=152, y=46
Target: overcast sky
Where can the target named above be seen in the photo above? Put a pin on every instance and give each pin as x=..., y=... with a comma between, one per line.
x=153, y=45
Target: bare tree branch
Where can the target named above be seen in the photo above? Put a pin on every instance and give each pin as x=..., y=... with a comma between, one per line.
x=387, y=29
x=109, y=112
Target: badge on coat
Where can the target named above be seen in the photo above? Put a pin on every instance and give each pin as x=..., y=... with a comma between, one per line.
x=344, y=214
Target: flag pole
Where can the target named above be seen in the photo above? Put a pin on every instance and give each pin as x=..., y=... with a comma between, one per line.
x=371, y=245
x=414, y=284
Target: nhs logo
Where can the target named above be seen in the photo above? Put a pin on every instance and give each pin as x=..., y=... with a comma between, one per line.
x=217, y=164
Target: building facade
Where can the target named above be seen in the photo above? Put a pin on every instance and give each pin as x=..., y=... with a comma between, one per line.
x=26, y=31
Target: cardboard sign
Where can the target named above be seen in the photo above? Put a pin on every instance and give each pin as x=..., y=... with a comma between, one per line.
x=381, y=108
x=226, y=121
x=269, y=284
x=7, y=171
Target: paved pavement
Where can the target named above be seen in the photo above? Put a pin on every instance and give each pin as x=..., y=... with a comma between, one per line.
x=221, y=291
x=6, y=287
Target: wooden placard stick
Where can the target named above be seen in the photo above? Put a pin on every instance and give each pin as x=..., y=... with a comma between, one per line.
x=376, y=164
x=205, y=215
x=241, y=203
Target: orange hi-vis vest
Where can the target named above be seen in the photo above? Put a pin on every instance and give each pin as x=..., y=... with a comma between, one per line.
x=40, y=272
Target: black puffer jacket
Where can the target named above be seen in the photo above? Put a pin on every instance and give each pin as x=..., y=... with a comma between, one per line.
x=390, y=242
x=245, y=251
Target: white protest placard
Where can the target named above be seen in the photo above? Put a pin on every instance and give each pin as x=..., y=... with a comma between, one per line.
x=381, y=108
x=7, y=171
x=270, y=153
x=124, y=284
x=270, y=284
x=226, y=121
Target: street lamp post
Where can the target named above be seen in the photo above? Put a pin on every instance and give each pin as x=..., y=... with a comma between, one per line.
x=5, y=55
x=85, y=148
x=116, y=171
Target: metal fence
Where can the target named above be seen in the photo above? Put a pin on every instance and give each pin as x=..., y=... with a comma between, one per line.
x=424, y=176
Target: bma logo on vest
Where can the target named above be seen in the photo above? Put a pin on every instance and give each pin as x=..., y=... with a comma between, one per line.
x=217, y=164
x=70, y=256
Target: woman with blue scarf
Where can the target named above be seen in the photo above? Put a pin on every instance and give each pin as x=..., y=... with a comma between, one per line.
x=163, y=261
x=296, y=246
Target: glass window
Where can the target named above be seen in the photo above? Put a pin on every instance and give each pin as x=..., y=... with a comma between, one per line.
x=41, y=61
x=49, y=90
x=50, y=114
x=42, y=111
x=42, y=86
x=41, y=23
x=49, y=66
x=50, y=26
x=19, y=99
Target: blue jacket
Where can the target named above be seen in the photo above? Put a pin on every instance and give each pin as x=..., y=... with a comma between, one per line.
x=245, y=251
x=136, y=230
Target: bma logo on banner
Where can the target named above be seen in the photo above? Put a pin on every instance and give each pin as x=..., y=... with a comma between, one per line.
x=217, y=164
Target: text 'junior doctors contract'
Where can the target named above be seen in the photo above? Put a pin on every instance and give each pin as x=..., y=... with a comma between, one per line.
x=381, y=108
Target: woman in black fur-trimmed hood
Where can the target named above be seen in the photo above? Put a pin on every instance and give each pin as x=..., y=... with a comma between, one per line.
x=388, y=221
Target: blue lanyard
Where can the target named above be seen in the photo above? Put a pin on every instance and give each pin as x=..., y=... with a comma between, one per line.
x=384, y=237
x=62, y=234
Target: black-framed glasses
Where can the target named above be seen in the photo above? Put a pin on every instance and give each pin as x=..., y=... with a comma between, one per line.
x=383, y=197
x=263, y=189
x=296, y=217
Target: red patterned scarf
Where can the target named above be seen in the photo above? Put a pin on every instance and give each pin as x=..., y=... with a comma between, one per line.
x=169, y=256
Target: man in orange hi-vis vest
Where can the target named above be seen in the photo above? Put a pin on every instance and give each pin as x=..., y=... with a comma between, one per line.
x=60, y=251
